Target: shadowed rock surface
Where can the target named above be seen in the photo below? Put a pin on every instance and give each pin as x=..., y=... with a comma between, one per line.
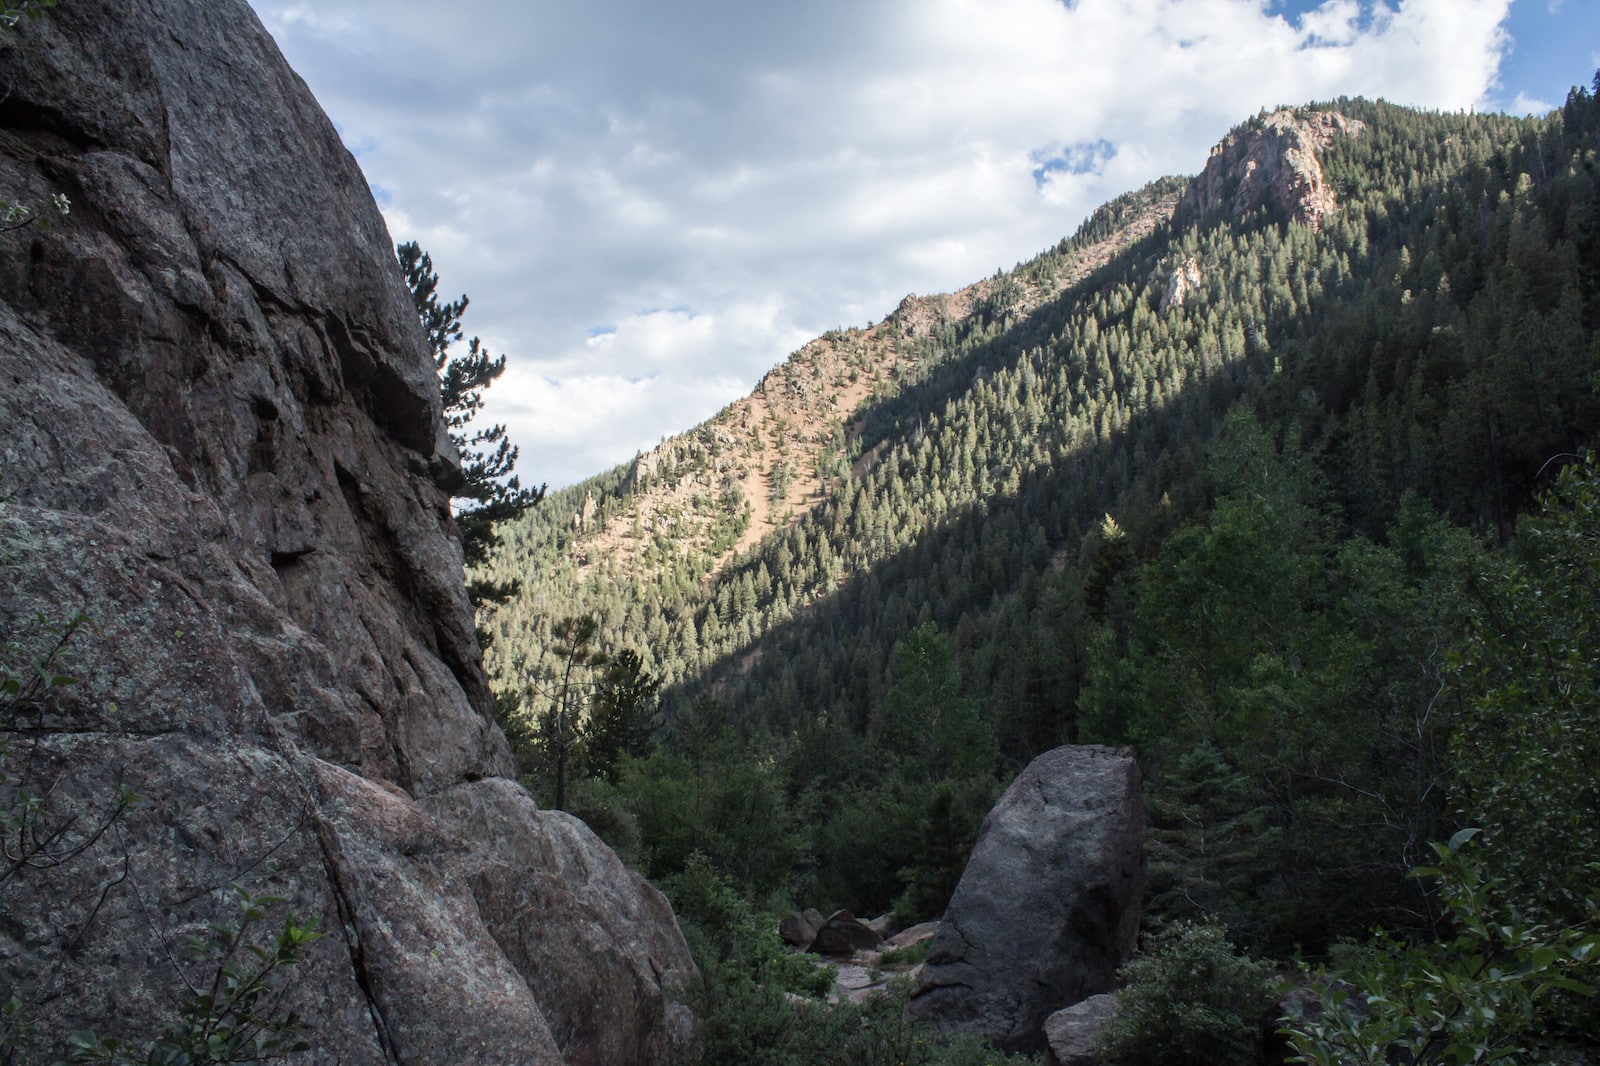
x=1047, y=908
x=800, y=928
x=1071, y=1034
x=220, y=438
x=843, y=934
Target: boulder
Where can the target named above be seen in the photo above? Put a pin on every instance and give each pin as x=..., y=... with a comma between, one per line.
x=916, y=934
x=1047, y=908
x=844, y=934
x=1070, y=1034
x=885, y=925
x=606, y=953
x=800, y=928
x=221, y=440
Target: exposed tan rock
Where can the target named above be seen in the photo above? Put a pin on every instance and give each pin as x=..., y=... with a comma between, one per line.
x=220, y=438
x=794, y=413
x=1182, y=280
x=1271, y=162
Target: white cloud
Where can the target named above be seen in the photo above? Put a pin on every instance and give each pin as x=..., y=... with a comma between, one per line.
x=1527, y=105
x=718, y=181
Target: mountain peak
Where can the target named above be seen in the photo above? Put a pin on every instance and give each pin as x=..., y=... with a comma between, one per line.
x=1271, y=162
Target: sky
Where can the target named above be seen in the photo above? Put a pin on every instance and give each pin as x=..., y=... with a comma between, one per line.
x=652, y=204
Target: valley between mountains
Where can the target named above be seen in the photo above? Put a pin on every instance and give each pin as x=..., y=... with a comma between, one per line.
x=1248, y=474
x=1178, y=648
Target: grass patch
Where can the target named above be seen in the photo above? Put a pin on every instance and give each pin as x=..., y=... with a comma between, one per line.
x=910, y=955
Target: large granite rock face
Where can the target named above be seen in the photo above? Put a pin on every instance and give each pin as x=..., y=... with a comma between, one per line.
x=220, y=439
x=1048, y=906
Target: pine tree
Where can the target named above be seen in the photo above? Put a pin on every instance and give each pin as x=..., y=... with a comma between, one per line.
x=487, y=457
x=625, y=713
x=566, y=691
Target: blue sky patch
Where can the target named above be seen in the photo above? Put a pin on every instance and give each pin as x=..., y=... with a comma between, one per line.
x=1553, y=49
x=1085, y=157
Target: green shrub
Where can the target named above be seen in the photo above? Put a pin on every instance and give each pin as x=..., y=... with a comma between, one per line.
x=755, y=998
x=1190, y=1000
x=910, y=955
x=723, y=931
x=1503, y=989
x=604, y=810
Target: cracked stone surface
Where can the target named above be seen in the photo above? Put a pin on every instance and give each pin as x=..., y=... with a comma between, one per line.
x=1047, y=908
x=220, y=439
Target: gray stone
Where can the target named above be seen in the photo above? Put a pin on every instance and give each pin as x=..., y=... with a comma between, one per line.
x=1070, y=1034
x=1048, y=906
x=856, y=983
x=916, y=934
x=800, y=928
x=885, y=925
x=220, y=438
x=844, y=934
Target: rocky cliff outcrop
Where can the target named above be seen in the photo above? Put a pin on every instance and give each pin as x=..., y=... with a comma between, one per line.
x=1181, y=280
x=1271, y=162
x=1047, y=908
x=220, y=439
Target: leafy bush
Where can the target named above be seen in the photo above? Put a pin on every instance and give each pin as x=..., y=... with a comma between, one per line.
x=756, y=999
x=1191, y=1000
x=602, y=809
x=723, y=930
x=1525, y=762
x=1501, y=990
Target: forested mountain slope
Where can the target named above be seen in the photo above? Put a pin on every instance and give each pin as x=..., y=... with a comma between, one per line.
x=1429, y=334
x=636, y=543
x=1227, y=496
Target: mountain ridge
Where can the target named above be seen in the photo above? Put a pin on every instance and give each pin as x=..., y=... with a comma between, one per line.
x=781, y=433
x=690, y=508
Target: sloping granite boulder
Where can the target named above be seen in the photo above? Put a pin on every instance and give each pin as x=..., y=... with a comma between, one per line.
x=220, y=439
x=1048, y=906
